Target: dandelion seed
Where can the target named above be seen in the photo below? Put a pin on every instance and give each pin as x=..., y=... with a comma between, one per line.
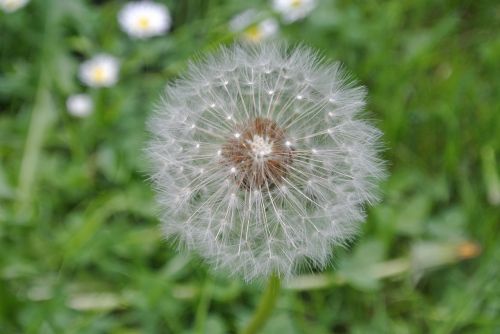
x=80, y=105
x=10, y=6
x=144, y=19
x=293, y=10
x=99, y=71
x=285, y=180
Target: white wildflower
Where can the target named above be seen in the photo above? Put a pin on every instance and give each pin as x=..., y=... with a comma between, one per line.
x=242, y=20
x=10, y=6
x=261, y=160
x=80, y=105
x=99, y=71
x=144, y=19
x=252, y=27
x=261, y=31
x=293, y=10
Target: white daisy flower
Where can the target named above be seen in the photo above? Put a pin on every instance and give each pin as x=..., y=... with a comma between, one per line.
x=80, y=105
x=99, y=71
x=144, y=19
x=242, y=20
x=251, y=28
x=262, y=161
x=293, y=10
x=261, y=31
x=10, y=6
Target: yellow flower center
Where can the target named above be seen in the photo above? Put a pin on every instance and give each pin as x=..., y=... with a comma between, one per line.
x=143, y=22
x=253, y=33
x=296, y=3
x=98, y=74
x=468, y=250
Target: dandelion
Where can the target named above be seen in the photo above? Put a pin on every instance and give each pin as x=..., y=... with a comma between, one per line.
x=252, y=28
x=80, y=105
x=144, y=19
x=293, y=10
x=99, y=71
x=261, y=160
x=10, y=6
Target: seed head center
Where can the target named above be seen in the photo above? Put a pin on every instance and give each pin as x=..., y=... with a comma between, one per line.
x=259, y=154
x=261, y=146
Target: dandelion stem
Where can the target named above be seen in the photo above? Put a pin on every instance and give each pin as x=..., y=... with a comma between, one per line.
x=265, y=307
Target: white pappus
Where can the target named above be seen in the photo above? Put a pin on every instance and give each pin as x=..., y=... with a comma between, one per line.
x=261, y=159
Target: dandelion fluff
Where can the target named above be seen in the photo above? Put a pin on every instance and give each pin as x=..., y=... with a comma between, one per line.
x=261, y=159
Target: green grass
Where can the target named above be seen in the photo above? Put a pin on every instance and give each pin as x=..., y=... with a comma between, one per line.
x=80, y=245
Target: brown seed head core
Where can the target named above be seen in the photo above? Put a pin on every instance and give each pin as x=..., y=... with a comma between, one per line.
x=258, y=154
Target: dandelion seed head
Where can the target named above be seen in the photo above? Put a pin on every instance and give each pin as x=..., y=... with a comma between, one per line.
x=272, y=188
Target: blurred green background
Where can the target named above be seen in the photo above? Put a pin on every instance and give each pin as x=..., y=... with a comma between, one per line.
x=80, y=245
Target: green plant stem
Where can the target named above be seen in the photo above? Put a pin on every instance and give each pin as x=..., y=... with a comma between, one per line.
x=203, y=306
x=265, y=307
x=42, y=116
